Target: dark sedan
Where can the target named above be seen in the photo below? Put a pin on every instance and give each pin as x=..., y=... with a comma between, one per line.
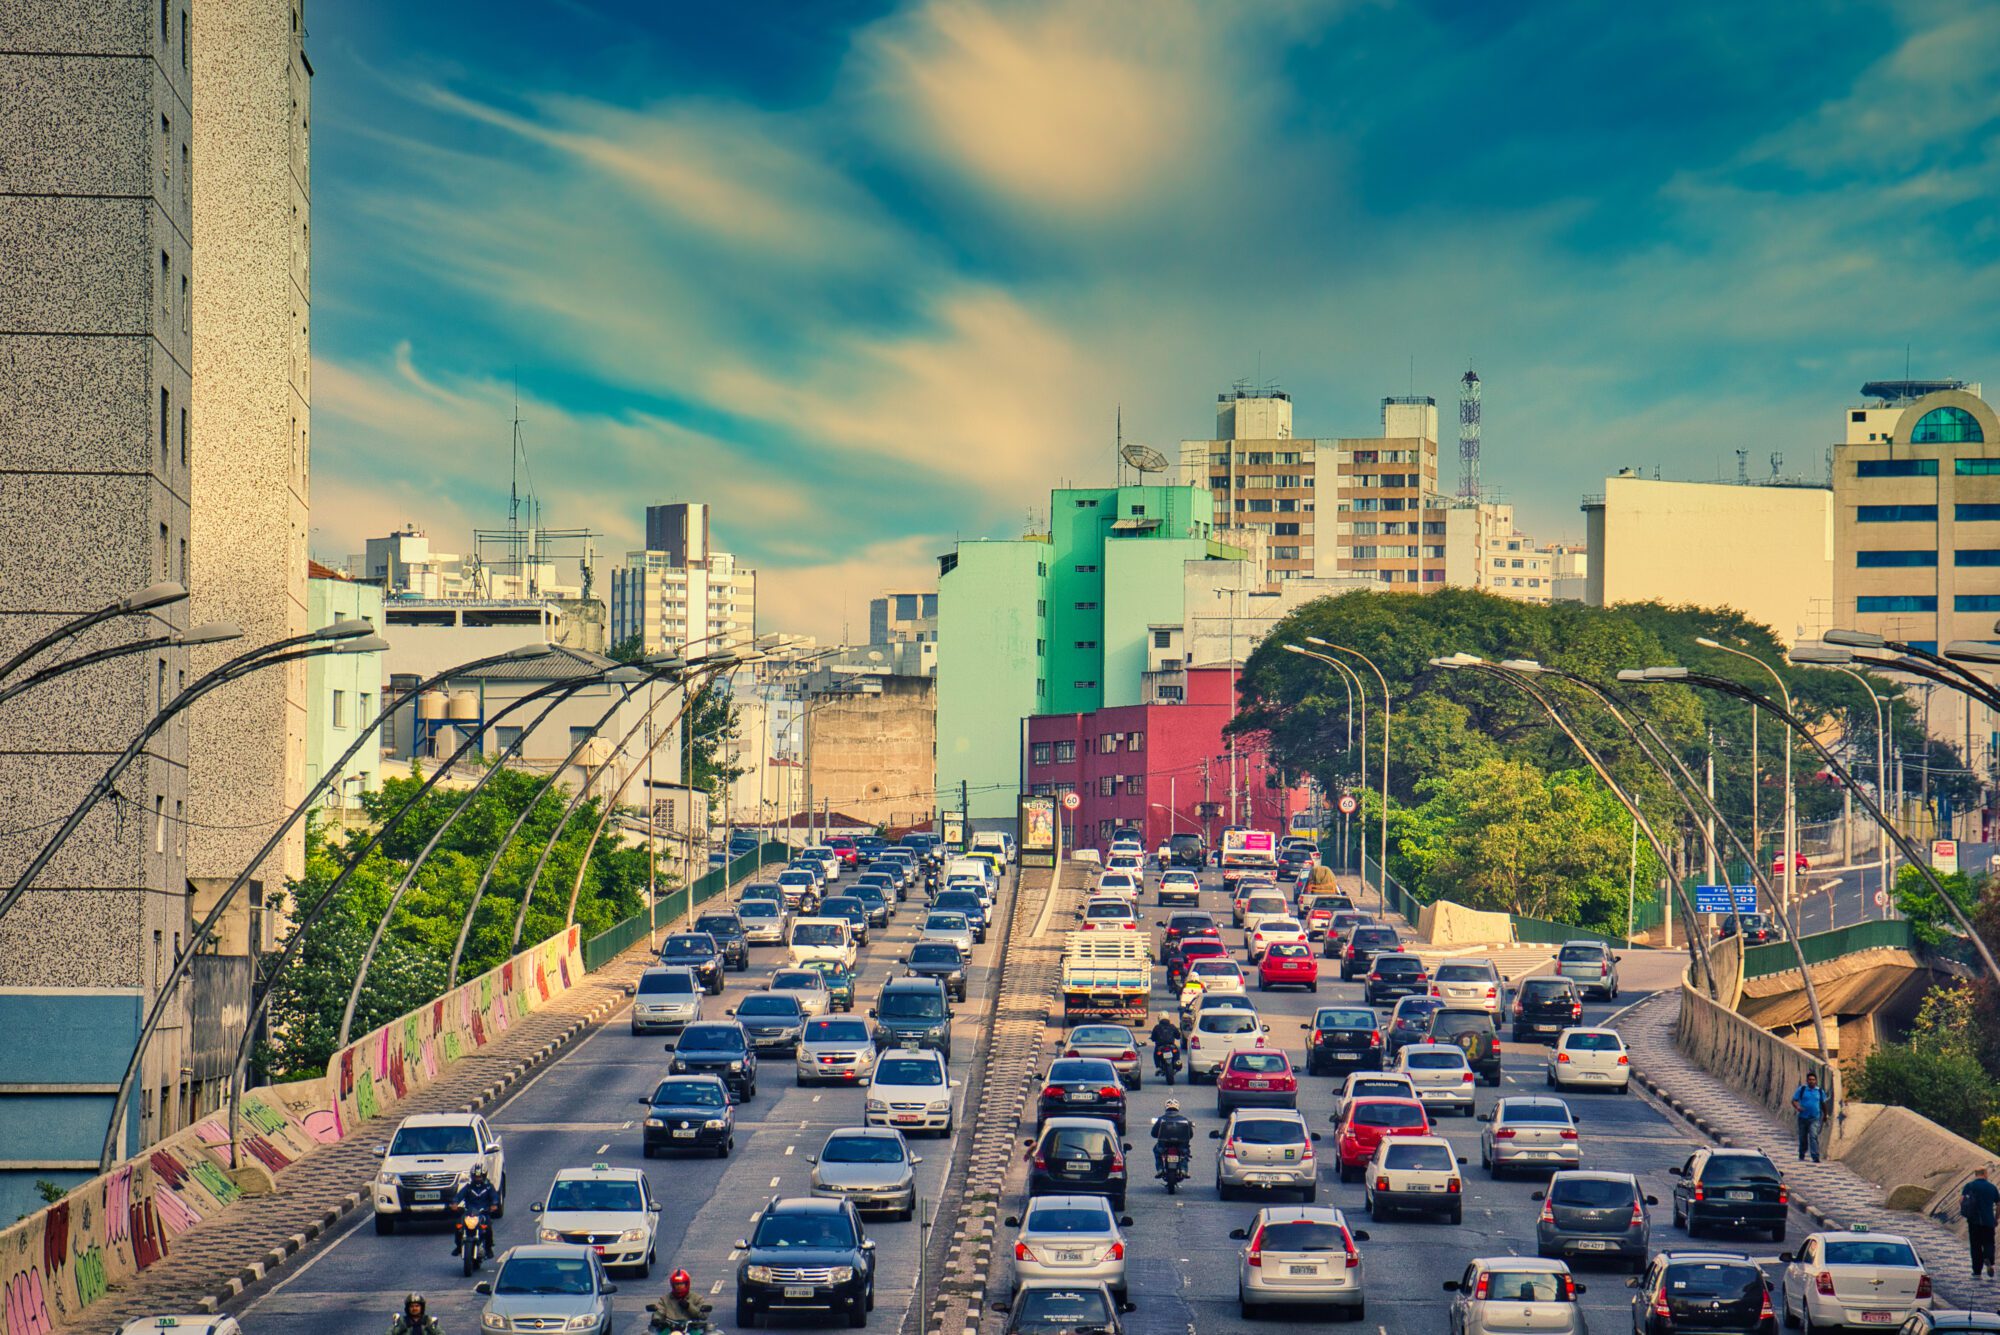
x=719, y=1048
x=1082, y=1087
x=689, y=1112
x=1410, y=1023
x=1343, y=1039
x=1544, y=1007
x=697, y=951
x=727, y=929
x=1394, y=974
x=941, y=960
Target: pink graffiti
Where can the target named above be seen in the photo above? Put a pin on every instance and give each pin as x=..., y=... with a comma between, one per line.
x=212, y=1132
x=395, y=1073
x=55, y=1237
x=430, y=1060
x=478, y=1030
x=346, y=1073
x=382, y=1056
x=323, y=1126
x=27, y=1312
x=165, y=1207
x=117, y=1205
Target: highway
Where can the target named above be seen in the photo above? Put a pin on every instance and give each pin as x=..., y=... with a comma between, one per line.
x=1845, y=897
x=581, y=1110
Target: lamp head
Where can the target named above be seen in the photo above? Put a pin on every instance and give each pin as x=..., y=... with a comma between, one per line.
x=1706, y=642
x=624, y=675
x=366, y=644
x=153, y=595
x=664, y=662
x=1854, y=639
x=1832, y=654
x=1314, y=639
x=1521, y=665
x=212, y=632
x=347, y=628
x=1973, y=651
x=1292, y=649
x=1631, y=674
x=1674, y=673
x=1446, y=663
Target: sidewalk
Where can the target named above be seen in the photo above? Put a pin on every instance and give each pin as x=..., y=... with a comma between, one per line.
x=1829, y=1192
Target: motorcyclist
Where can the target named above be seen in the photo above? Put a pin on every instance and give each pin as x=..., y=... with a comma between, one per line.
x=1171, y=1127
x=478, y=1197
x=680, y=1307
x=415, y=1318
x=1166, y=1036
x=1191, y=989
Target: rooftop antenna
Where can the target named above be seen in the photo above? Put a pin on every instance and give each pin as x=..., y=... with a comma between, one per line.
x=1468, y=436
x=1742, y=468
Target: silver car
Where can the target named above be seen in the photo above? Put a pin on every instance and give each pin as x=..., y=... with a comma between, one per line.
x=1598, y=1215
x=835, y=1051
x=1443, y=1077
x=1470, y=985
x=1530, y=1131
x=870, y=1166
x=1529, y=1295
x=1298, y=1255
x=1074, y=1238
x=953, y=927
x=554, y=1286
x=808, y=985
x=666, y=999
x=1109, y=1042
x=1591, y=966
x=1266, y=1149
x=765, y=921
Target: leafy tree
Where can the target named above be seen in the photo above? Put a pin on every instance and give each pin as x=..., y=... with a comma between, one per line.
x=629, y=650
x=1928, y=914
x=1950, y=1088
x=710, y=730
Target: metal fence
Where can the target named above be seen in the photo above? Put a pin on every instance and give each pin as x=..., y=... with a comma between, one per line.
x=619, y=937
x=1541, y=932
x=1777, y=957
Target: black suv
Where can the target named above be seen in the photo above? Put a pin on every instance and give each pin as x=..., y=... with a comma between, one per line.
x=1757, y=928
x=942, y=961
x=719, y=1048
x=1077, y=1156
x=1545, y=1006
x=1472, y=1032
x=1343, y=1039
x=727, y=929
x=1730, y=1189
x=697, y=951
x=775, y=1021
x=1366, y=941
x=794, y=1259
x=1393, y=974
x=1187, y=850
x=912, y=1013
x=1702, y=1291
x=689, y=1112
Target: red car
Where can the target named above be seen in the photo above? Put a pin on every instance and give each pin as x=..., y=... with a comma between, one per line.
x=1288, y=964
x=1259, y=1079
x=1185, y=952
x=1364, y=1124
x=845, y=849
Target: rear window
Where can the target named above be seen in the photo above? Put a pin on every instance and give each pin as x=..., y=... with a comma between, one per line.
x=1079, y=1069
x=1301, y=1235
x=1344, y=1020
x=1581, y=955
x=1464, y=973
x=758, y=908
x=1075, y=1140
x=1374, y=938
x=837, y=1031
x=1461, y=1022
x=711, y=1038
x=1394, y=1088
x=1739, y=1168
x=1417, y=1009
x=1590, y=1191
x=818, y=934
x=1227, y=1022
x=1066, y=1219
x=1870, y=1253
x=1593, y=1043
x=1063, y=1309
x=1288, y=950
x=936, y=952
x=1389, y=1114
x=1546, y=989
x=655, y=984
x=1714, y=1280
x=806, y=980
x=1261, y=1063
x=1270, y=1131
x=1264, y=904
x=1435, y=1061
x=1524, y=1286
x=1420, y=1158
x=1554, y=1114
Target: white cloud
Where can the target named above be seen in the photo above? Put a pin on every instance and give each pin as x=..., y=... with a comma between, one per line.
x=827, y=598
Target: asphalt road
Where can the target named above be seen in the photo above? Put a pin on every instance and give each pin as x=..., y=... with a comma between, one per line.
x=1183, y=1266
x=581, y=1110
x=1843, y=898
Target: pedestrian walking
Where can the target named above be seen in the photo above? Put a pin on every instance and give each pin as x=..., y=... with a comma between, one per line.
x=1809, y=1102
x=1977, y=1204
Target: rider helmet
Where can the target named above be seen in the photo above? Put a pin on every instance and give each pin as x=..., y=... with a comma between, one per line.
x=413, y=1305
x=1173, y=1105
x=479, y=1172
x=680, y=1284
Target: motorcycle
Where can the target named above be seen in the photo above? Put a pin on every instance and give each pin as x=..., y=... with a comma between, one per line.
x=677, y=1326
x=1167, y=1061
x=475, y=1240
x=1173, y=1166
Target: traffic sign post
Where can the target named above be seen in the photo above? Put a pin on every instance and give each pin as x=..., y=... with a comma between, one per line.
x=1348, y=806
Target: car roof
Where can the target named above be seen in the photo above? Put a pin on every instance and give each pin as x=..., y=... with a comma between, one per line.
x=1069, y=1203
x=908, y=984
x=547, y=1251
x=1859, y=1235
x=934, y=1058
x=1268, y=1115
x=1542, y=1264
x=599, y=1172
x=681, y=969
x=1434, y=1047
x=1594, y=1175
x=804, y=1205
x=689, y=1078
x=867, y=1132
x=1080, y=1124
x=1738, y=1258
x=1537, y=1100
x=1292, y=1214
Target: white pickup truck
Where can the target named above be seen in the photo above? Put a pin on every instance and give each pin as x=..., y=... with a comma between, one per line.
x=1106, y=976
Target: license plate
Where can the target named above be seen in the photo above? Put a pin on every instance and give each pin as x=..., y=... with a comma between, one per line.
x=909, y=1117
x=1081, y=1097
x=427, y=1195
x=1421, y=1186
x=1739, y=1195
x=684, y=1133
x=1267, y=1179
x=1068, y=1258
x=1594, y=1246
x=598, y=1250
x=1302, y=1270
x=1076, y=1168
x=1878, y=1316
x=798, y=1290
x=1260, y=1084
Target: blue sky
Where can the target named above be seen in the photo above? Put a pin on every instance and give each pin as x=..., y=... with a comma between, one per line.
x=870, y=276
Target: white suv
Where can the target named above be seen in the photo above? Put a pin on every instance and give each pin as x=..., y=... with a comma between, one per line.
x=610, y=1210
x=431, y=1156
x=1443, y=1077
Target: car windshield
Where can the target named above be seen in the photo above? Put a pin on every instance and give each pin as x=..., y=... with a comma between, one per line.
x=720, y=1038
x=935, y=952
x=578, y=1193
x=758, y=1005
x=687, y=947
x=656, y=984
x=1597, y=1192
x=1464, y=973
x=544, y=1274
x=1077, y=1070
x=945, y=922
x=1420, y=1158
x=1062, y=1309
x=1739, y=1168
x=1870, y=1252
x=908, y=1071
x=1269, y=1131
x=820, y=1229
x=759, y=908
x=1581, y=955
x=862, y=1149
x=910, y=1005
x=1067, y=1219
x=1389, y=1114
x=1344, y=1020
x=1593, y=1043
x=836, y=1031
x=1259, y=1063
x=1524, y=1286
x=1227, y=1022
x=817, y=934
x=690, y=1094
x=1302, y=1235
x=1100, y=1036
x=846, y=906
x=435, y=1140
x=1461, y=1022
x=1555, y=1114
x=1714, y=1280
x=799, y=980
x=1434, y=1061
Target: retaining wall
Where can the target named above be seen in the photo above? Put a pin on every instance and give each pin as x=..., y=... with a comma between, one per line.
x=1444, y=923
x=1746, y=1057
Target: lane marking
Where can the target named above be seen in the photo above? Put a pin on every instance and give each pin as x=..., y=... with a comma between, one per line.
x=789, y=1149
x=774, y=1181
x=715, y=1288
x=602, y=1148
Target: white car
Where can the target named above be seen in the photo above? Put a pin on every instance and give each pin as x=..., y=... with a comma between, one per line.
x=944, y=925
x=1269, y=931
x=764, y=921
x=610, y=1210
x=1131, y=863
x=1418, y=1174
x=821, y=939
x=827, y=858
x=1180, y=885
x=911, y=1091
x=1217, y=1032
x=428, y=1159
x=1109, y=914
x=1853, y=1279
x=1219, y=978
x=1264, y=904
x=1470, y=985
x=1124, y=884
x=1590, y=1058
x=1372, y=1085
x=1300, y=1254
x=1443, y=1077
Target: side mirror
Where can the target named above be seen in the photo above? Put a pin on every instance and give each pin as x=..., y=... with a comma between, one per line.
x=1012, y=1221
x=657, y=1208
x=536, y=1208
x=916, y=1158
x=1652, y=1200
x=609, y=1288
x=1539, y=1196
x=812, y=1158
x=1127, y=1305
x=871, y=1012
x=1305, y=1026
x=1581, y=1289
x=1215, y=1135
x=380, y=1151
x=742, y=1244
x=1677, y=1172
x=642, y=1099
x=1632, y=1283
x=730, y=1011
x=868, y=1244
x=1003, y=1307
x=1787, y=1257
x=1485, y=1117
x=1126, y=1144
x=955, y=1084
x=1461, y=1161
x=482, y=1287
x=1124, y=1221
x=1359, y=1235
x=1451, y=1286
x=1239, y=1234
x=1029, y=1144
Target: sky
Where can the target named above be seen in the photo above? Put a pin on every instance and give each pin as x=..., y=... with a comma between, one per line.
x=873, y=277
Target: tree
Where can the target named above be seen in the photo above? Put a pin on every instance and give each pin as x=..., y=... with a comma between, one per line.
x=629, y=650
x=710, y=730
x=1928, y=915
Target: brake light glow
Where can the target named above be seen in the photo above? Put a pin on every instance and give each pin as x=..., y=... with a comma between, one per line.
x=1453, y=1186
x=1318, y=1036
x=1548, y=1212
x=1022, y=1252
x=1375, y=1038
x=1699, y=1194
x=1823, y=1281
x=1492, y=992
x=1115, y=1252
x=1381, y=1184
x=1353, y=1257
x=1229, y=1148
x=1569, y=1289
x=1576, y=1010
x=1467, y=1078
x=1666, y=1313
x=1784, y=1195
x=1624, y=1060
x=1117, y=1162
x=1479, y=1289
x=1638, y=1213
x=1504, y=1133
x=1128, y=1056
x=1256, y=1256
x=1569, y=1133
x=1764, y=1314
x=1110, y=1092
x=1561, y=1057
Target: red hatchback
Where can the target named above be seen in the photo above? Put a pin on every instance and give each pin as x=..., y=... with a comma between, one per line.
x=1364, y=1124
x=1259, y=1079
x=1288, y=964
x=845, y=849
x=1187, y=951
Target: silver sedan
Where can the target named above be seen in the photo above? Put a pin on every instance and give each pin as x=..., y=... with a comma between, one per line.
x=870, y=1166
x=1075, y=1238
x=1109, y=1042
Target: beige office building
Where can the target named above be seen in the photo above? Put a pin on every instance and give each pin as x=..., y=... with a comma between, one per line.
x=1483, y=550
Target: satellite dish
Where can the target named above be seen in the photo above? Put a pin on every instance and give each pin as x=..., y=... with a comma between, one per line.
x=1144, y=458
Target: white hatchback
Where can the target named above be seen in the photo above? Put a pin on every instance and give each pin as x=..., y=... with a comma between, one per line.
x=1441, y=1074
x=1418, y=1174
x=1590, y=1059
x=1123, y=884
x=911, y=1091
x=1109, y=914
x=1218, y=1033
x=1219, y=977
x=1264, y=904
x=1269, y=931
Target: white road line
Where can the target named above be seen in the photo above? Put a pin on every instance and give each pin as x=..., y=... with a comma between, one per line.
x=715, y=1288
x=817, y=1097
x=314, y=1260
x=602, y=1148
x=774, y=1181
x=789, y=1149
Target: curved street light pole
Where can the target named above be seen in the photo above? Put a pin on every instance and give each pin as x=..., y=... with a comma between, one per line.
x=1350, y=680
x=162, y=594
x=1800, y=655
x=214, y=632
x=1791, y=797
x=1383, y=861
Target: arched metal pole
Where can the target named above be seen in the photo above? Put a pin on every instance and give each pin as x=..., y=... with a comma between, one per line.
x=143, y=600
x=1383, y=862
x=213, y=633
x=1351, y=680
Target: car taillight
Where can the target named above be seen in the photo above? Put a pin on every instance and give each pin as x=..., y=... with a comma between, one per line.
x=1353, y=1257
x=1072, y=1053
x=1307, y=1153
x=1318, y=1035
x=1479, y=1289
x=1052, y=1092
x=1375, y=1038
x=1764, y=1313
x=1784, y=1195
x=1128, y=1056
x=1624, y=1060
x=1492, y=992
x=1638, y=1213
x=1117, y=1162
x=1434, y=991
x=1256, y=1256
x=1381, y=1184
x=1518, y=1009
x=1548, y=1213
x=1699, y=1194
x=1569, y=1289
x=1604, y=969
x=1923, y=1286
x=1195, y=1042
x=1115, y=1252
x=1453, y=1186
x=1374, y=976
x=1229, y=1148
x=1561, y=1057
x=1663, y=1311
x=1823, y=1281
x=1022, y=1252
x=1110, y=1092
x=1041, y=1162
x=1504, y=1133
x=1569, y=1133
x=1468, y=1077
x=1576, y=1010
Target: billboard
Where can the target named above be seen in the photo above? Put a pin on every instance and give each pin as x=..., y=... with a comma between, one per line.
x=1036, y=831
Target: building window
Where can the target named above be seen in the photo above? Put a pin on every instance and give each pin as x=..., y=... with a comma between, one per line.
x=1981, y=556
x=1041, y=687
x=1086, y=607
x=1104, y=831
x=166, y=415
x=1038, y=754
x=367, y=707
x=509, y=739
x=578, y=736
x=1135, y=741
x=1084, y=685
x=1286, y=530
x=1107, y=742
x=1065, y=752
x=159, y=826
x=1896, y=468
x=1284, y=553
x=1163, y=639
x=1882, y=560
x=1086, y=644
x=1437, y=577
x=1976, y=602
x=340, y=709
x=1975, y=467
x=1135, y=785
x=1086, y=570
x=1896, y=602
x=1086, y=505
x=1106, y=785
x=1041, y=647
x=1899, y=514
x=1948, y=426
x=1966, y=513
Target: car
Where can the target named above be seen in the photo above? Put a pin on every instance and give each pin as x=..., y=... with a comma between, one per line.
x=429, y=1158
x=696, y=951
x=770, y=890
x=665, y=999
x=845, y=849
x=773, y=1020
x=955, y=928
x=1192, y=925
x=1267, y=905
x=870, y=1167
x=1121, y=883
x=1300, y=1256
x=1266, y=1149
x=1220, y=977
x=727, y=929
x=1288, y=964
x=1185, y=952
x=1529, y=1131
x=1371, y=1085
x=1590, y=1059
x=1333, y=943
x=1343, y=1038
x=995, y=841
x=805, y=1254
x=1113, y=1043
x=1364, y=942
x=869, y=846
x=1364, y=1123
x=765, y=921
x=1240, y=892
x=1544, y=1007
x=877, y=896
x=1393, y=974
x=1215, y=1034
x=1600, y=1216
x=911, y=1091
x=807, y=984
x=1591, y=966
x=1077, y=1156
x=1936, y=1321
x=1270, y=930
x=1409, y=1023
x=1470, y=985
x=942, y=961
x=1074, y=1238
x=1109, y=914
x=1082, y=1087
x=1414, y=1175
x=1515, y=1293
x=1757, y=928
x=1730, y=1189
x=548, y=1287
x=1188, y=850
x=1131, y=863
x=835, y=1051
x=821, y=939
x=830, y=858
x=1472, y=1032
x=1706, y=1291
x=720, y=1048
x=1179, y=886
x=1443, y=1077
x=1255, y=1079
x=912, y=1013
x=1217, y=999
x=1063, y=1307
x=688, y=1112
x=1316, y=912
x=968, y=903
x=610, y=1210
x=850, y=910
x=839, y=980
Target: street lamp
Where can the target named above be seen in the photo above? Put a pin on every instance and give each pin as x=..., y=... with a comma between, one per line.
x=1791, y=808
x=1350, y=680
x=213, y=632
x=141, y=600
x=1384, y=683
x=1838, y=658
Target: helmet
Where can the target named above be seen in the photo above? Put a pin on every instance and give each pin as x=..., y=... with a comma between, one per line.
x=479, y=1172
x=680, y=1284
x=1173, y=1105
x=414, y=1304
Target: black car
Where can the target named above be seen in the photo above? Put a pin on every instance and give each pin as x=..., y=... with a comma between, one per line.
x=851, y=910
x=941, y=960
x=1410, y=1023
x=1344, y=1038
x=775, y=1021
x=719, y=1048
x=689, y=1112
x=1063, y=1307
x=727, y=929
x=1082, y=1087
x=796, y=1257
x=1182, y=926
x=1187, y=850
x=1702, y=1291
x=1336, y=933
x=1730, y=1189
x=877, y=894
x=868, y=847
x=1757, y=928
x=1392, y=974
x=966, y=902
x=1475, y=1033
x=697, y=951
x=913, y=1013
x=1077, y=1156
x=1545, y=1007
x=1364, y=942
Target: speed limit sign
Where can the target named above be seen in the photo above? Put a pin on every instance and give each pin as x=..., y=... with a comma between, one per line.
x=1071, y=801
x=1881, y=899
x=1348, y=806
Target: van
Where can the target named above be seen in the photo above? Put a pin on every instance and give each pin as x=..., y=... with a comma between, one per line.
x=968, y=866
x=994, y=841
x=821, y=939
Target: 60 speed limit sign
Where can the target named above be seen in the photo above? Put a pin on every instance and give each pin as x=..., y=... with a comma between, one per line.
x=1071, y=801
x=1347, y=804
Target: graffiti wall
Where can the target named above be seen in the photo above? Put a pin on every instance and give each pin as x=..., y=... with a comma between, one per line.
x=57, y=1262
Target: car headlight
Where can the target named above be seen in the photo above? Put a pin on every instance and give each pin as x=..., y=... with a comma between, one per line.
x=877, y=1105
x=842, y=1273
x=680, y=1065
x=715, y=1123
x=549, y=1235
x=587, y=1322
x=941, y=1105
x=633, y=1235
x=757, y=1274
x=654, y=1121
x=493, y=1321
x=736, y=1066
x=385, y=1179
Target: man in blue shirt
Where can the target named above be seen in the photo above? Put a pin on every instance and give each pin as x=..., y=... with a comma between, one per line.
x=1977, y=1204
x=1809, y=1102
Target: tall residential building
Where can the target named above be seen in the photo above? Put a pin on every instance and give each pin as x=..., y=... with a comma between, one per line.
x=1264, y=479
x=680, y=591
x=1388, y=517
x=903, y=616
x=1483, y=550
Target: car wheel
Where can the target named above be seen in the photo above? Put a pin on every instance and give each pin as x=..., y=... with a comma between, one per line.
x=1312, y=986
x=644, y=1268
x=1778, y=1233
x=1457, y=1214
x=1310, y=1194
x=1693, y=1225
x=746, y=1315
x=385, y=1224
x=1790, y=1318
x=722, y=1150
x=1251, y=1311
x=1677, y=1214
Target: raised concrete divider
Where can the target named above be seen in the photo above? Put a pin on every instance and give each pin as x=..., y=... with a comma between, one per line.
x=1445, y=923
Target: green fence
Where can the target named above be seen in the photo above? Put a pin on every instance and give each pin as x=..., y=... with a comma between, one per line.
x=615, y=940
x=1394, y=896
x=1777, y=957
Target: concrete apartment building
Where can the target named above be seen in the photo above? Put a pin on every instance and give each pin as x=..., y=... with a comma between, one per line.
x=1389, y=520
x=343, y=691
x=1483, y=550
x=903, y=616
x=1262, y=478
x=681, y=591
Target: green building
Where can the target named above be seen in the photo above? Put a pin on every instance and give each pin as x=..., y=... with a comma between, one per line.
x=343, y=691
x=1056, y=624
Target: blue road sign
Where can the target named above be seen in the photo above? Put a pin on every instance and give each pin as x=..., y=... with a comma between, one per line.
x=1715, y=898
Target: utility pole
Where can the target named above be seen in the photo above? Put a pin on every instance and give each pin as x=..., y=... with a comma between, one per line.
x=1208, y=834
x=652, y=837
x=964, y=815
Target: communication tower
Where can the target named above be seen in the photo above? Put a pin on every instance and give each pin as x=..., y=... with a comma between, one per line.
x=1468, y=436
